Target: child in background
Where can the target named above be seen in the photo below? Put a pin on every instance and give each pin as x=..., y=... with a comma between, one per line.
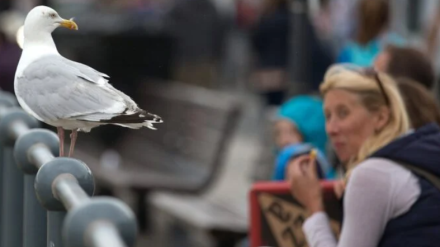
x=299, y=128
x=372, y=35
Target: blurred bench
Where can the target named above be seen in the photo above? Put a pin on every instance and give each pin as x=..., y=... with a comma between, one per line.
x=183, y=155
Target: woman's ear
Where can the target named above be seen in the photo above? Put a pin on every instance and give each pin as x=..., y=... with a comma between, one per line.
x=382, y=118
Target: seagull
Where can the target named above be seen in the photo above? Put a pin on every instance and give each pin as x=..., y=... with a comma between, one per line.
x=66, y=94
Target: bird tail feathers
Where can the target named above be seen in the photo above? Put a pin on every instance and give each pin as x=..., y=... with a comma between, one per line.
x=135, y=121
x=146, y=123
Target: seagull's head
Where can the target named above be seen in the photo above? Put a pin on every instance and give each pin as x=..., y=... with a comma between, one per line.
x=44, y=19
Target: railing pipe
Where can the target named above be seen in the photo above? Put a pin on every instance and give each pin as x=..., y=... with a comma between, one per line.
x=43, y=195
x=103, y=233
x=68, y=190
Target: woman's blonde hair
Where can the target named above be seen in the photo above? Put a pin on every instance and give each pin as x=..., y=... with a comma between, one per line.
x=367, y=87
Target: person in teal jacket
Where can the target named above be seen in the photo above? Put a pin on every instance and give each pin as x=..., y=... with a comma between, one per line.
x=371, y=36
x=298, y=128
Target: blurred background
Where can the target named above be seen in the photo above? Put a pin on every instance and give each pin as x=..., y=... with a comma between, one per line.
x=217, y=72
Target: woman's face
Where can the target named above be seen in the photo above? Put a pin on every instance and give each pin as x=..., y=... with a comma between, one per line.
x=285, y=133
x=348, y=122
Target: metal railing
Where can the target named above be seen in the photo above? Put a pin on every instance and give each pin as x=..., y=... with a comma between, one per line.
x=47, y=200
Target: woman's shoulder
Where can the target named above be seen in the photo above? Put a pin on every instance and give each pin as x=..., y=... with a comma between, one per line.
x=381, y=166
x=390, y=182
x=379, y=163
x=387, y=173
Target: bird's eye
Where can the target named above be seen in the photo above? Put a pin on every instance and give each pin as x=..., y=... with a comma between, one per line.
x=53, y=15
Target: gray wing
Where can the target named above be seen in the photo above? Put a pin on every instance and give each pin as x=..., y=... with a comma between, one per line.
x=55, y=88
x=90, y=73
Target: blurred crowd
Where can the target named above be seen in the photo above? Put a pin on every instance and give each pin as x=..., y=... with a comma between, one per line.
x=353, y=33
x=374, y=126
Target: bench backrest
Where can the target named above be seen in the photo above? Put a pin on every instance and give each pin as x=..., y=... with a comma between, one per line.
x=192, y=140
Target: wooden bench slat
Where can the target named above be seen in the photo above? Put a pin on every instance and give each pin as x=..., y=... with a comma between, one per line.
x=197, y=147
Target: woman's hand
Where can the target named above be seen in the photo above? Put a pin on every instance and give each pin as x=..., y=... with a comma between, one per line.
x=304, y=183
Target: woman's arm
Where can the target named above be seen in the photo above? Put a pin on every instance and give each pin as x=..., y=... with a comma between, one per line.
x=377, y=191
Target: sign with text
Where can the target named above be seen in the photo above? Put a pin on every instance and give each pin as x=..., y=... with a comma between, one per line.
x=277, y=218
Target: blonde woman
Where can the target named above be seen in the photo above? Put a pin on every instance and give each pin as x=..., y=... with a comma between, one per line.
x=385, y=203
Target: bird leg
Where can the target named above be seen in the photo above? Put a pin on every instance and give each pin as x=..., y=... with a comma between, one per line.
x=61, y=137
x=73, y=136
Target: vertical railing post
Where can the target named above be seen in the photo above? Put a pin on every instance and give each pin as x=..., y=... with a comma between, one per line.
x=12, y=177
x=12, y=210
x=45, y=143
x=55, y=220
x=7, y=100
x=34, y=222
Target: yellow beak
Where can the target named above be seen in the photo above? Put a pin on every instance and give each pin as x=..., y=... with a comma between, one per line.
x=70, y=24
